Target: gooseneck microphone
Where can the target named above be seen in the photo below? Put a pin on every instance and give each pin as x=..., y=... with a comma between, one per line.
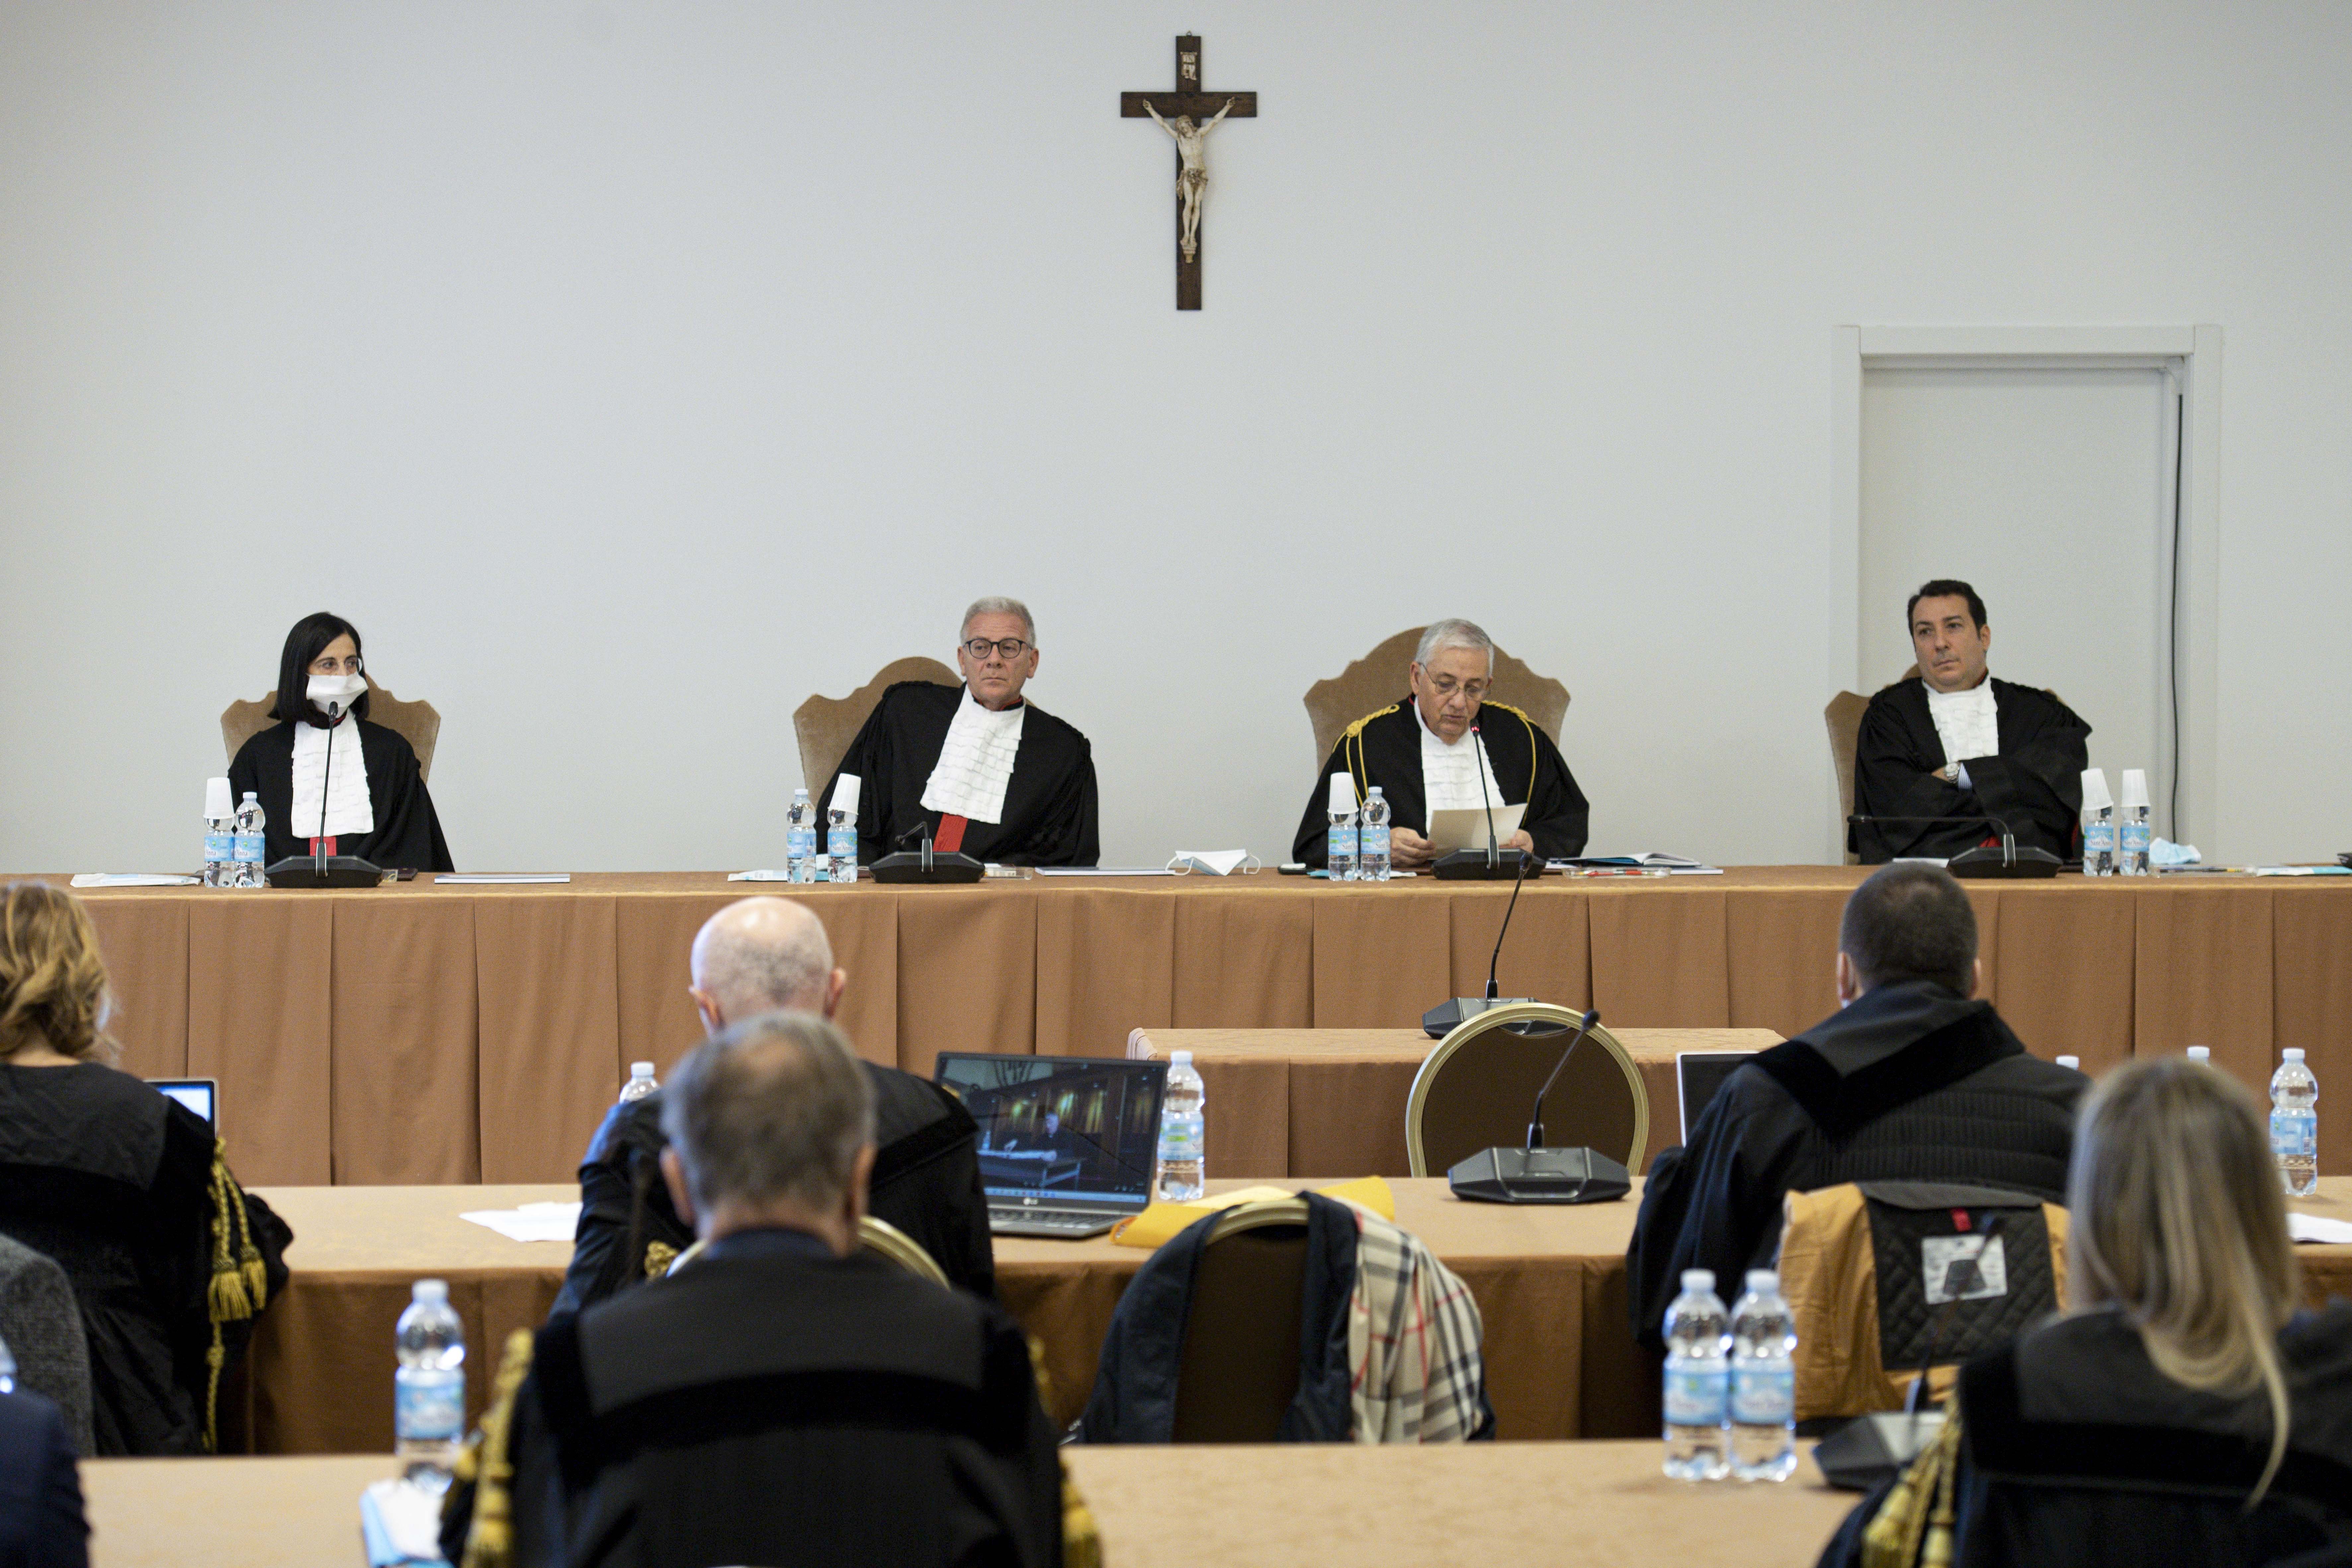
x=1535, y=1122
x=1468, y=865
x=319, y=869
x=1494, y=851
x=1495, y=960
x=318, y=843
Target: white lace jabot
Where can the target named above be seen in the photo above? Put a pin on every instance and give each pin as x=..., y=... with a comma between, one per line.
x=1450, y=779
x=1968, y=722
x=975, y=761
x=349, y=808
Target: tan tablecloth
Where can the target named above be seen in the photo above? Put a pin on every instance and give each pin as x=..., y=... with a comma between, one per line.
x=1549, y=1282
x=1305, y=1101
x=1373, y=1508
x=458, y=1034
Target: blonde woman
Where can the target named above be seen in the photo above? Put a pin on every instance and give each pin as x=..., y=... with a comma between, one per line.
x=169, y=1260
x=2186, y=1409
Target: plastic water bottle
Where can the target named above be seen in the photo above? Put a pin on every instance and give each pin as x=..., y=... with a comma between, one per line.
x=428, y=1398
x=2294, y=1124
x=1340, y=848
x=220, y=835
x=1763, y=1383
x=1698, y=1380
x=250, y=842
x=2133, y=833
x=2099, y=841
x=800, y=837
x=641, y=1082
x=1373, y=839
x=841, y=847
x=1183, y=1134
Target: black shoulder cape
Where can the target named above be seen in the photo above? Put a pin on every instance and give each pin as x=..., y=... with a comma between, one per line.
x=2035, y=784
x=1385, y=749
x=407, y=833
x=1049, y=805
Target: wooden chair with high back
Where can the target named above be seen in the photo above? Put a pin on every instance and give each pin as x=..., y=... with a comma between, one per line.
x=1381, y=676
x=825, y=725
x=1474, y=1091
x=418, y=723
x=1239, y=1369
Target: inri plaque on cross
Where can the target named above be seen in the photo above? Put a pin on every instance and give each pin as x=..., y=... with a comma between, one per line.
x=1188, y=114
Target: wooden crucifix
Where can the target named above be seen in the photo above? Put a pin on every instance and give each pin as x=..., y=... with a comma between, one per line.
x=1188, y=114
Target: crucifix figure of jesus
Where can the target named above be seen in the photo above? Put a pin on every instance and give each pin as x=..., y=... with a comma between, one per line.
x=1188, y=115
x=1192, y=170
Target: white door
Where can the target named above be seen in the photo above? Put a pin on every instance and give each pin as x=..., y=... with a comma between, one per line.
x=2050, y=491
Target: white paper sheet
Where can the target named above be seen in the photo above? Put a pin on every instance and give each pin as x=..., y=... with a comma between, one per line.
x=532, y=1222
x=496, y=878
x=1452, y=830
x=759, y=876
x=1216, y=862
x=1104, y=871
x=132, y=879
x=2313, y=1228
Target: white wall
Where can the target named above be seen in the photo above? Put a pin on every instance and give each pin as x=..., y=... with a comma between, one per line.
x=566, y=344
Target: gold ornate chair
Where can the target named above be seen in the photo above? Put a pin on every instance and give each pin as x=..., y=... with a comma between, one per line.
x=1474, y=1091
x=825, y=725
x=1379, y=679
x=418, y=723
x=874, y=1236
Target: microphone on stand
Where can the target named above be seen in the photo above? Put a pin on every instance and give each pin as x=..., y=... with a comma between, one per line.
x=319, y=869
x=923, y=863
x=1537, y=1175
x=1441, y=1020
x=1485, y=796
x=318, y=843
x=2006, y=861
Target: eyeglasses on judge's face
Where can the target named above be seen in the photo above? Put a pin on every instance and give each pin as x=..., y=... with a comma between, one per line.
x=1008, y=648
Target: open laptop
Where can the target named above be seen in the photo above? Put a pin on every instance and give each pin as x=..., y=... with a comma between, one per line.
x=1697, y=1074
x=200, y=1095
x=1066, y=1144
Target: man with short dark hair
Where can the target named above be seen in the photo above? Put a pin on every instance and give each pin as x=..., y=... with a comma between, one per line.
x=1912, y=1080
x=786, y=1398
x=1957, y=744
x=767, y=955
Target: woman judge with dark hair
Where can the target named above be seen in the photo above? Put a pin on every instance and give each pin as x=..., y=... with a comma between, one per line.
x=371, y=801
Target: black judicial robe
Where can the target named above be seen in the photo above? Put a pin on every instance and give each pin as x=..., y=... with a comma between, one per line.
x=772, y=1403
x=114, y=1181
x=1910, y=1083
x=407, y=833
x=2035, y=784
x=1049, y=804
x=926, y=1181
x=1385, y=749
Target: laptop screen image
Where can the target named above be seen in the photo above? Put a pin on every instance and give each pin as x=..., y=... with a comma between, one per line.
x=200, y=1095
x=1073, y=1129
x=1697, y=1074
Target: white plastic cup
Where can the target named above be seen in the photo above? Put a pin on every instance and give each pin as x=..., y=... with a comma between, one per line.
x=218, y=802
x=846, y=791
x=2135, y=788
x=2095, y=790
x=1343, y=793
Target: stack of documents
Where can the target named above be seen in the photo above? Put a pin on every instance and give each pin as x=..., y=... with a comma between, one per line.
x=532, y=1222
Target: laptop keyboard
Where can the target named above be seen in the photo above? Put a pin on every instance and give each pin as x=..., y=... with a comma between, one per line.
x=1049, y=1222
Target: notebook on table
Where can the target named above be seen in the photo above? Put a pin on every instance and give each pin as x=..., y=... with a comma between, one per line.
x=1066, y=1144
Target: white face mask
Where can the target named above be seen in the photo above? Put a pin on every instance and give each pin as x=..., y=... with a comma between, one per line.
x=336, y=692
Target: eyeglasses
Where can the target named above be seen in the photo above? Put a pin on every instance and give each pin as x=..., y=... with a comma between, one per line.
x=1011, y=647
x=1474, y=690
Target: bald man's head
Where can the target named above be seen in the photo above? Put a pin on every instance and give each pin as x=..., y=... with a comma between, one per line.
x=763, y=956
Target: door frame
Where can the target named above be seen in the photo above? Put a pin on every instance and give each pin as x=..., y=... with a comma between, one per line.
x=2190, y=353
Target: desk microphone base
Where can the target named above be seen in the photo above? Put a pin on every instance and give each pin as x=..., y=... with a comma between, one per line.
x=1472, y=866
x=1986, y=860
x=1539, y=1176
x=914, y=866
x=342, y=871
x=1447, y=1016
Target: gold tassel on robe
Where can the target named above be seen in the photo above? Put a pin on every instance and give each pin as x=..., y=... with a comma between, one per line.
x=1081, y=1542
x=239, y=1286
x=1902, y=1533
x=490, y=1536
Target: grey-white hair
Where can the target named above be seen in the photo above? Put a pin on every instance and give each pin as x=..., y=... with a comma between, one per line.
x=762, y=956
x=1442, y=635
x=772, y=1110
x=998, y=605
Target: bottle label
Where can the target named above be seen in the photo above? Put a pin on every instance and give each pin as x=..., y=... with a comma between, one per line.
x=800, y=843
x=2099, y=839
x=1340, y=848
x=2294, y=1135
x=219, y=846
x=1376, y=842
x=1181, y=1135
x=842, y=843
x=429, y=1405
x=248, y=847
x=2135, y=836
x=1696, y=1393
x=1763, y=1395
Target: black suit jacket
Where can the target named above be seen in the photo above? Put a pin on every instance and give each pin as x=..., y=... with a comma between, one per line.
x=41, y=1522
